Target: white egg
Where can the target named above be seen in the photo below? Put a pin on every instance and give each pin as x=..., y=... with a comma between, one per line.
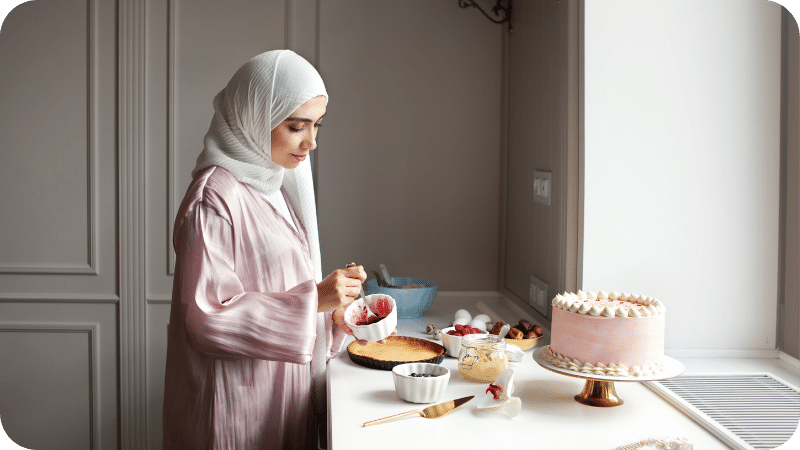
x=463, y=313
x=461, y=321
x=482, y=318
x=479, y=324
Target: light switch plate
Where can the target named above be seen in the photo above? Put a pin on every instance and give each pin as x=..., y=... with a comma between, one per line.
x=538, y=295
x=542, y=187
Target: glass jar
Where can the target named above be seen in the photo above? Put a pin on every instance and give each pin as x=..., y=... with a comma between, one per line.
x=482, y=357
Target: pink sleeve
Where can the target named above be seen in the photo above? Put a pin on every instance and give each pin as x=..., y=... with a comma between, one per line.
x=335, y=336
x=222, y=319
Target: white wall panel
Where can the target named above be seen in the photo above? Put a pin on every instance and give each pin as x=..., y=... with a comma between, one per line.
x=50, y=405
x=57, y=65
x=58, y=380
x=58, y=247
x=48, y=138
x=682, y=157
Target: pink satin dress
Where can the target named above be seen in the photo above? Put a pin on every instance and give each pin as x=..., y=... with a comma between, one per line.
x=242, y=324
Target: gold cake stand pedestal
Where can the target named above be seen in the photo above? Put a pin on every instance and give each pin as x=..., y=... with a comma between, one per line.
x=599, y=389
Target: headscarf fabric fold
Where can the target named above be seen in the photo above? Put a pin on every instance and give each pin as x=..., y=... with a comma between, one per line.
x=261, y=94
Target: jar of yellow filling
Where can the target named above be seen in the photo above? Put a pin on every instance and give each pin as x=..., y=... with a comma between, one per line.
x=482, y=357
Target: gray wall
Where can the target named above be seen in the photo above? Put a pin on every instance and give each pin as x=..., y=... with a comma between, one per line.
x=789, y=263
x=544, y=131
x=408, y=161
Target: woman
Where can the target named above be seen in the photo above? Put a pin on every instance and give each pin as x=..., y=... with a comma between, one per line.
x=252, y=321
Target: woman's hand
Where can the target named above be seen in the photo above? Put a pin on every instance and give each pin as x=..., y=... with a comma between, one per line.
x=338, y=319
x=340, y=288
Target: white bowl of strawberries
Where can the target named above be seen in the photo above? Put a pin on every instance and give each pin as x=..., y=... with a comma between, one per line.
x=451, y=337
x=376, y=326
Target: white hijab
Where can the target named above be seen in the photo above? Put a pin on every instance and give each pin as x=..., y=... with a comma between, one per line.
x=262, y=94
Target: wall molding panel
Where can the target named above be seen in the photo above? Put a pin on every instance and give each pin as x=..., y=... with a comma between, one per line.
x=92, y=330
x=60, y=286
x=92, y=222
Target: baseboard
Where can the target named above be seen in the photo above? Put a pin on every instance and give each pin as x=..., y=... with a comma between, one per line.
x=468, y=294
x=790, y=360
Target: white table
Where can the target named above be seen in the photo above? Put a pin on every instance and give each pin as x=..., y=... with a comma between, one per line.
x=550, y=417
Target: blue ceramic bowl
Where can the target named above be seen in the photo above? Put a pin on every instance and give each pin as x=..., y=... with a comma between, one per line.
x=412, y=302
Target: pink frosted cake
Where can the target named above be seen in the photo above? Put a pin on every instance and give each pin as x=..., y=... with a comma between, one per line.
x=607, y=334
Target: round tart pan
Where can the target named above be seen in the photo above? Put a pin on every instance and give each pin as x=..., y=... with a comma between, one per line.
x=394, y=351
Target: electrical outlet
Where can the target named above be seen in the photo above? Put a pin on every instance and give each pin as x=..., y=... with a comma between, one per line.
x=537, y=295
x=542, y=187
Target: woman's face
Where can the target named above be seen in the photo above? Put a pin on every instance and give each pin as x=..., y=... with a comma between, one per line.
x=294, y=138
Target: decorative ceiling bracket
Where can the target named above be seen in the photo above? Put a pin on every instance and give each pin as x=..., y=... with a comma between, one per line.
x=500, y=12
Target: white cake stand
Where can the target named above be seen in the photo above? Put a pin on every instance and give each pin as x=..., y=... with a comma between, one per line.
x=599, y=389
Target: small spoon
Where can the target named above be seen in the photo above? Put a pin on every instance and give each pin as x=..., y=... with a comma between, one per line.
x=503, y=331
x=385, y=273
x=387, y=280
x=363, y=297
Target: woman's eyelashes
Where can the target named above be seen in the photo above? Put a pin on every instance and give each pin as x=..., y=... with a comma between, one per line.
x=297, y=129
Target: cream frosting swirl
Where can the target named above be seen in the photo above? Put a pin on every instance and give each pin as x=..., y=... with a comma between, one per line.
x=611, y=370
x=613, y=304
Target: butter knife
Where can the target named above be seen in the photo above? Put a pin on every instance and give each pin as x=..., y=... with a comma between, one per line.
x=430, y=412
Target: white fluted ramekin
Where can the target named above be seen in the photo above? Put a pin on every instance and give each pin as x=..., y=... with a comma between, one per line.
x=420, y=389
x=375, y=331
x=452, y=343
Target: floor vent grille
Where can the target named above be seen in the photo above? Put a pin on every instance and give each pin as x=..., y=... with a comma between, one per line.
x=745, y=411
